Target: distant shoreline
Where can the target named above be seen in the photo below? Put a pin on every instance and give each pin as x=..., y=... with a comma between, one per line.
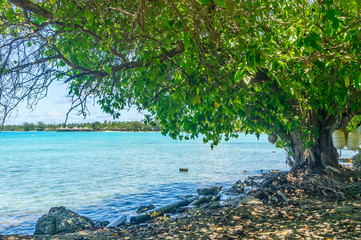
x=81, y=131
x=106, y=126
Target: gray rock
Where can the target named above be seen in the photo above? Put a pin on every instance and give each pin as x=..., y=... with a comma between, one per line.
x=209, y=191
x=213, y=198
x=205, y=199
x=240, y=201
x=214, y=205
x=250, y=200
x=237, y=188
x=210, y=205
x=61, y=220
x=234, y=202
x=145, y=208
x=199, y=201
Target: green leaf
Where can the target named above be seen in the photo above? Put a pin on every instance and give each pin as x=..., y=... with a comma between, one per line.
x=108, y=70
x=187, y=40
x=87, y=13
x=347, y=81
x=205, y=2
x=220, y=3
x=358, y=82
x=198, y=99
x=312, y=40
x=216, y=105
x=52, y=1
x=194, y=101
x=335, y=23
x=238, y=76
x=330, y=14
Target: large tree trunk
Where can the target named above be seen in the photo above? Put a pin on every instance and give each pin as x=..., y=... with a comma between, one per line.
x=319, y=158
x=322, y=156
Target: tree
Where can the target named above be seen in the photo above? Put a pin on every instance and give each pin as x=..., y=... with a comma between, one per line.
x=202, y=66
x=96, y=126
x=40, y=126
x=28, y=126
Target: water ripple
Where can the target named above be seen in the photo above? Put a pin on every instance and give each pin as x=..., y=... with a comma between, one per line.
x=103, y=175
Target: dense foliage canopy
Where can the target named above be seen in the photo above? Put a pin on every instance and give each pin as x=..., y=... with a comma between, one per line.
x=198, y=66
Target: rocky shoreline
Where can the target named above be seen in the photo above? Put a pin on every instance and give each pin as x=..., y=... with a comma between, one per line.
x=240, y=217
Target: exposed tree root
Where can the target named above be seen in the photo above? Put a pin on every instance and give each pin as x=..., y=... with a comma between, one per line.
x=288, y=187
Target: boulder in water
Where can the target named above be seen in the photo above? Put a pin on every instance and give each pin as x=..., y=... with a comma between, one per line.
x=62, y=220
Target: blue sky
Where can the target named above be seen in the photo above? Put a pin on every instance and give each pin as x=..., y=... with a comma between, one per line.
x=54, y=107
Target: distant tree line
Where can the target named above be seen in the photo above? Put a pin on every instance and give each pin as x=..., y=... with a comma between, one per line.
x=94, y=126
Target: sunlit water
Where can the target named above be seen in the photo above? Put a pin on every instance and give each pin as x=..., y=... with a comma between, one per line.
x=105, y=175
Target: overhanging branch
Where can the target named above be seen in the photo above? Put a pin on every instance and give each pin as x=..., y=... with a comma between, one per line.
x=30, y=6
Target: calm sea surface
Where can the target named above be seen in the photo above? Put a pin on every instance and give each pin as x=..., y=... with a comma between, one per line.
x=105, y=175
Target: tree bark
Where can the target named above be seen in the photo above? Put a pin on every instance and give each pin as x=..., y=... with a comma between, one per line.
x=318, y=158
x=321, y=156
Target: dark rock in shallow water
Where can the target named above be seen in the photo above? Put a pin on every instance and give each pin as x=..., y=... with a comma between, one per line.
x=145, y=208
x=209, y=191
x=61, y=220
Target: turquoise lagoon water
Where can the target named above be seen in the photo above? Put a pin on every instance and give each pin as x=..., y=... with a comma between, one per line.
x=103, y=175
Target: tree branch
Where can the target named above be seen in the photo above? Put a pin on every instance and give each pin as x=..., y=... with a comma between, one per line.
x=28, y=5
x=163, y=57
x=33, y=63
